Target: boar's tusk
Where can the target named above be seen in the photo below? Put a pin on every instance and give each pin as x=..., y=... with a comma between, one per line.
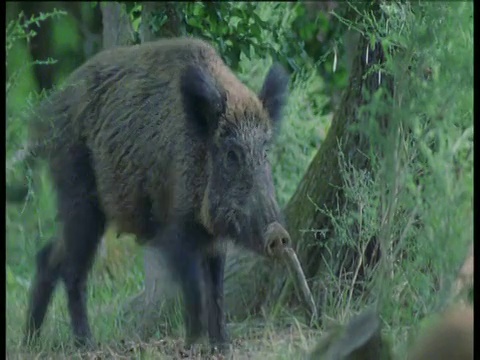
x=290, y=257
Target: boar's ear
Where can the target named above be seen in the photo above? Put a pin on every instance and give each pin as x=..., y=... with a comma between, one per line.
x=203, y=100
x=274, y=92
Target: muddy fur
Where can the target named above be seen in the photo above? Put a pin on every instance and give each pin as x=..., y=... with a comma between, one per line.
x=164, y=141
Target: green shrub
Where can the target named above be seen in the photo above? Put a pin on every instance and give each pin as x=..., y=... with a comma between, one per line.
x=417, y=198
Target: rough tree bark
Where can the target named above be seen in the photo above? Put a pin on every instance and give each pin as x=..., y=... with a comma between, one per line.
x=322, y=183
x=323, y=180
x=117, y=29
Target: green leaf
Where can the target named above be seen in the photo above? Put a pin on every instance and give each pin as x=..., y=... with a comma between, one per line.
x=194, y=22
x=234, y=20
x=136, y=23
x=198, y=9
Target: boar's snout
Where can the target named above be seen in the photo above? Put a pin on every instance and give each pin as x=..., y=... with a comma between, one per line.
x=276, y=239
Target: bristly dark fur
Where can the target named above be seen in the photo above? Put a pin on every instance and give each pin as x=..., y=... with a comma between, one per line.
x=163, y=140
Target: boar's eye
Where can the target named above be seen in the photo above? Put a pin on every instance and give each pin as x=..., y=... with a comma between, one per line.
x=232, y=158
x=266, y=150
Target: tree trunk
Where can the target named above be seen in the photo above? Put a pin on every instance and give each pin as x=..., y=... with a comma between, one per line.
x=323, y=180
x=321, y=186
x=91, y=28
x=117, y=29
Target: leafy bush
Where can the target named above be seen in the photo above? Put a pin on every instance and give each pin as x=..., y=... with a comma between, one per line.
x=416, y=200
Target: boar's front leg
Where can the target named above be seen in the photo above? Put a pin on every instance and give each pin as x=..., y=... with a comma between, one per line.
x=214, y=272
x=183, y=243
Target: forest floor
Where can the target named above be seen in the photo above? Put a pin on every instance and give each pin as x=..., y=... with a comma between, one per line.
x=277, y=343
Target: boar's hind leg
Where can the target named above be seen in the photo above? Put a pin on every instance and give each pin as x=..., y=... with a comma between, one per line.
x=214, y=271
x=82, y=232
x=83, y=225
x=183, y=246
x=46, y=277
